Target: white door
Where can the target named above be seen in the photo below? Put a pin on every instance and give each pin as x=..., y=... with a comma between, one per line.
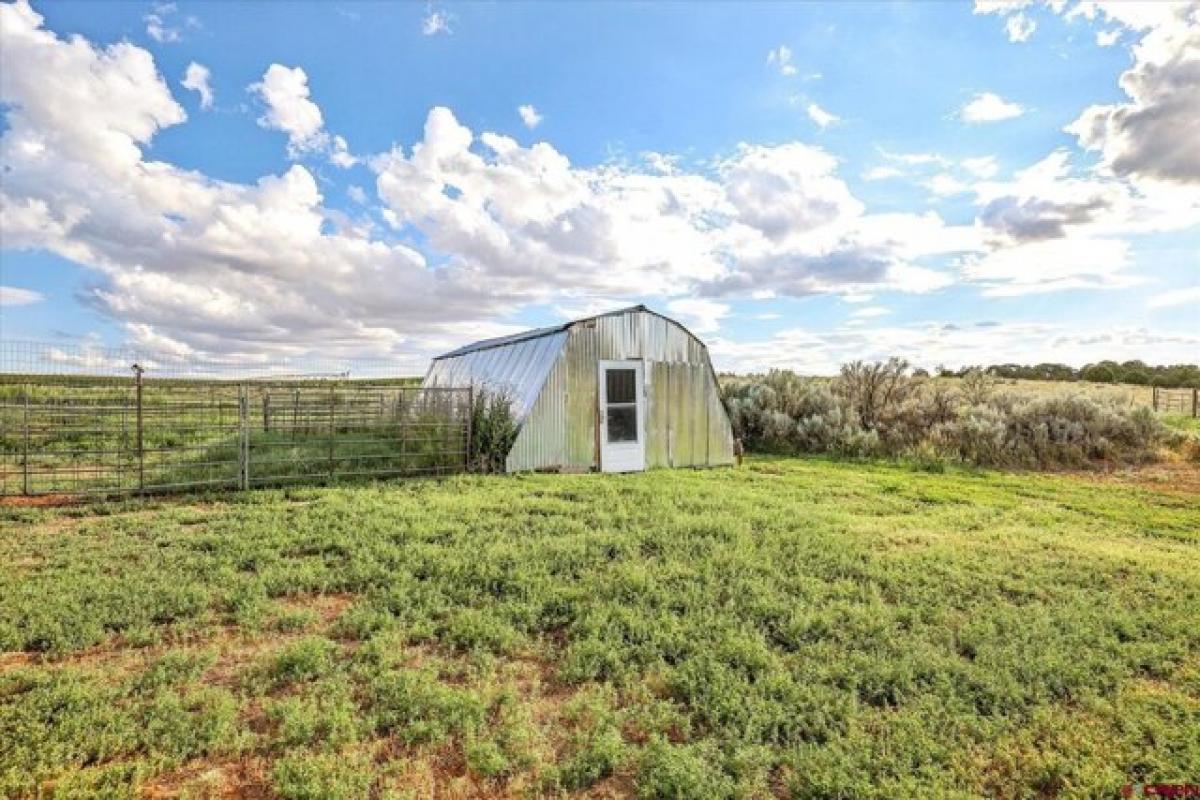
x=622, y=417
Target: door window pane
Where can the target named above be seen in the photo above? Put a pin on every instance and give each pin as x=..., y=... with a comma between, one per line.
x=620, y=385
x=622, y=423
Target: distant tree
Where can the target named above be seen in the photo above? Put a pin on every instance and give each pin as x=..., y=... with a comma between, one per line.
x=1008, y=371
x=1103, y=372
x=1055, y=372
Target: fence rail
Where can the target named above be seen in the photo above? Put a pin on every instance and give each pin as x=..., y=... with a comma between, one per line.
x=1179, y=401
x=80, y=435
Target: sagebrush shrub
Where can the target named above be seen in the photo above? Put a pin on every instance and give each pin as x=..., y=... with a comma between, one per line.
x=881, y=410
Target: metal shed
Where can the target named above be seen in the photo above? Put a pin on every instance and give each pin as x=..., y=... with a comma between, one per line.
x=619, y=392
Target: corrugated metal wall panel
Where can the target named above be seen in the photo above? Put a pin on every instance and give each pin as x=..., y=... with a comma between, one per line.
x=698, y=402
x=720, y=432
x=657, y=415
x=683, y=416
x=581, y=353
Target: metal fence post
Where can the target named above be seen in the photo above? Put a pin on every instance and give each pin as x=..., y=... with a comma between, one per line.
x=243, y=437
x=401, y=432
x=470, y=427
x=1195, y=402
x=1154, y=397
x=25, y=451
x=332, y=431
x=138, y=440
x=122, y=444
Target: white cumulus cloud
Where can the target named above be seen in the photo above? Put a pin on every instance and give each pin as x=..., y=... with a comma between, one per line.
x=1185, y=296
x=1152, y=136
x=435, y=22
x=821, y=117
x=882, y=173
x=945, y=185
x=769, y=218
x=11, y=296
x=989, y=107
x=700, y=315
x=982, y=166
x=1020, y=27
x=529, y=116
x=175, y=255
x=781, y=59
x=284, y=91
x=197, y=79
x=158, y=27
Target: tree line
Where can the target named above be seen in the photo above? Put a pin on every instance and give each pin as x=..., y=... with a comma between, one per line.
x=1134, y=372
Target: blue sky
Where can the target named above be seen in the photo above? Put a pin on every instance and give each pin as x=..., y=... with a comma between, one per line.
x=801, y=183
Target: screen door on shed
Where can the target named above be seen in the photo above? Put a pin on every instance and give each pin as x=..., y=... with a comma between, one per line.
x=622, y=417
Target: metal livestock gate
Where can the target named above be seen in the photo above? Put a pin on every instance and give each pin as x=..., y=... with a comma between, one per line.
x=79, y=434
x=1179, y=401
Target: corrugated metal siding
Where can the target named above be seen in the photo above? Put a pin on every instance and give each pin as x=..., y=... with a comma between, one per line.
x=720, y=431
x=658, y=417
x=585, y=346
x=517, y=369
x=684, y=410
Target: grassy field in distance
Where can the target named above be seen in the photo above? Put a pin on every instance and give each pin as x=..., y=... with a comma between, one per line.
x=1119, y=392
x=795, y=627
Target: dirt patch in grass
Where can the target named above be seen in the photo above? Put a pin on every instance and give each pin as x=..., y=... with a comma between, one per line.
x=42, y=500
x=1174, y=475
x=16, y=660
x=439, y=772
x=113, y=656
x=327, y=607
x=247, y=778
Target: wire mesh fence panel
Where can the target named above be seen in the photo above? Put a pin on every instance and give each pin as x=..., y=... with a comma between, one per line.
x=106, y=435
x=67, y=437
x=314, y=432
x=191, y=434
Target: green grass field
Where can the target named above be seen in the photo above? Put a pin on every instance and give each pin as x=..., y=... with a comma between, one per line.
x=800, y=627
x=1182, y=423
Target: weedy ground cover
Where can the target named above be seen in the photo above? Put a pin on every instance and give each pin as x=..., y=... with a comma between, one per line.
x=796, y=627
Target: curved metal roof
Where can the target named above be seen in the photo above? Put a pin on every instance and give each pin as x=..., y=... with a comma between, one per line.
x=535, y=333
x=516, y=368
